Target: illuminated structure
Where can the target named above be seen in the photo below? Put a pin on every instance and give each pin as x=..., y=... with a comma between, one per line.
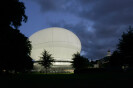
x=108, y=53
x=59, y=42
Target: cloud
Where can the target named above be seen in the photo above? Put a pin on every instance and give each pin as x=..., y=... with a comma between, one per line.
x=100, y=22
x=93, y=46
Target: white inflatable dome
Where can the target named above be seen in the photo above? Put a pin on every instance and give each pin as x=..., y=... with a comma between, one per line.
x=59, y=42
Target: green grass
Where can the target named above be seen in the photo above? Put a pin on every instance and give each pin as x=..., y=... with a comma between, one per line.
x=37, y=80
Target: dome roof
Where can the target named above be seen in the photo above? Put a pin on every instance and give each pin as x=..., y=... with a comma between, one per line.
x=59, y=42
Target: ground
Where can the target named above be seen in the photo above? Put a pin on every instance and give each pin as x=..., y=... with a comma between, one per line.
x=92, y=80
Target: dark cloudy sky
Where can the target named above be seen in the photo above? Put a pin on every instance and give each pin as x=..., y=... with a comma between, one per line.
x=98, y=23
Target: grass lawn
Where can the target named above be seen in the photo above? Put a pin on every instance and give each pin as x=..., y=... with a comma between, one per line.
x=92, y=80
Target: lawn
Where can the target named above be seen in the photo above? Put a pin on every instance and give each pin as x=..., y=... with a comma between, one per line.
x=92, y=80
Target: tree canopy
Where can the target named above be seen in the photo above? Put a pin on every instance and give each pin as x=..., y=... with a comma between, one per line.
x=124, y=53
x=15, y=51
x=46, y=60
x=15, y=47
x=79, y=62
x=125, y=47
x=12, y=13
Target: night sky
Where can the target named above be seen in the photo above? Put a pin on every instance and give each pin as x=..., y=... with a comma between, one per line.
x=99, y=24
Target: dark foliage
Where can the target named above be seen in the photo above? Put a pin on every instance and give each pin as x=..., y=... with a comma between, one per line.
x=125, y=47
x=15, y=50
x=104, y=62
x=12, y=13
x=123, y=56
x=79, y=62
x=116, y=59
x=46, y=60
x=15, y=47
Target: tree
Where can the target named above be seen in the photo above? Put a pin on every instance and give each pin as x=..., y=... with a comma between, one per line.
x=123, y=56
x=15, y=53
x=125, y=47
x=12, y=13
x=46, y=60
x=115, y=60
x=15, y=47
x=79, y=62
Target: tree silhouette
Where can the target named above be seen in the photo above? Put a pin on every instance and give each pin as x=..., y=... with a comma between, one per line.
x=123, y=56
x=46, y=60
x=79, y=62
x=15, y=47
x=115, y=60
x=15, y=51
x=125, y=47
x=12, y=13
